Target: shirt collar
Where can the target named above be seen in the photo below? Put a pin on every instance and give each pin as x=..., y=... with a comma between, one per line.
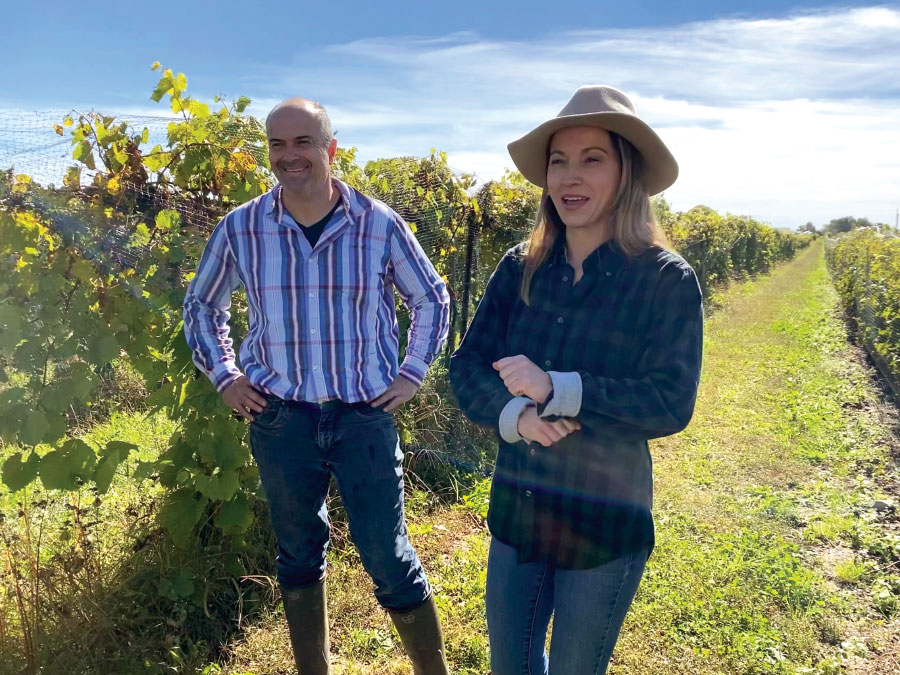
x=351, y=207
x=607, y=256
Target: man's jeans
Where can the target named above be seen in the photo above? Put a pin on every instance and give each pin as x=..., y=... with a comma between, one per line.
x=297, y=447
x=588, y=608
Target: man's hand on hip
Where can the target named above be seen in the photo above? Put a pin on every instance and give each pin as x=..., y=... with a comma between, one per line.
x=400, y=391
x=243, y=398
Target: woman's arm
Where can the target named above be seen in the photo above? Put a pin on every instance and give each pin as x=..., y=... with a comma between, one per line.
x=480, y=392
x=659, y=399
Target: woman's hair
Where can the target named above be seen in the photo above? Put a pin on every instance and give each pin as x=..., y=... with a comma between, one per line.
x=634, y=226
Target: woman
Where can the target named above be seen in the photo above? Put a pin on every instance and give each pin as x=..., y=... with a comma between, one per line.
x=586, y=344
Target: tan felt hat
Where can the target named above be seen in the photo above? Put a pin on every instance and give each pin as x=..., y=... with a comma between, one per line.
x=597, y=106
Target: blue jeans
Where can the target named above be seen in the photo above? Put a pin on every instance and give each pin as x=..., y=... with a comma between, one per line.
x=588, y=608
x=298, y=446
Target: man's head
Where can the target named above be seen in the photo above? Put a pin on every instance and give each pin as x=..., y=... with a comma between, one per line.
x=301, y=146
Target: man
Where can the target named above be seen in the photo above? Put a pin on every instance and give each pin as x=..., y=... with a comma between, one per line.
x=320, y=378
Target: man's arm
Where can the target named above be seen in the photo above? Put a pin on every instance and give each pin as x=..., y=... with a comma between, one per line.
x=425, y=294
x=206, y=314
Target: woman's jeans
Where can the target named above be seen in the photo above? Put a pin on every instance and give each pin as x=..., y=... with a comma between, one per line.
x=298, y=447
x=588, y=608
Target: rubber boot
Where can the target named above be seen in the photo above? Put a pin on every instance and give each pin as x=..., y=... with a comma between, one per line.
x=420, y=633
x=306, y=612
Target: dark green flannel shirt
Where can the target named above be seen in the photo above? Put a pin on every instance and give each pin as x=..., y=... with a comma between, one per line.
x=625, y=343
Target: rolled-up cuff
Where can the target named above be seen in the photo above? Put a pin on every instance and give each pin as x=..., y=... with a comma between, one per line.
x=223, y=375
x=566, y=398
x=509, y=418
x=414, y=369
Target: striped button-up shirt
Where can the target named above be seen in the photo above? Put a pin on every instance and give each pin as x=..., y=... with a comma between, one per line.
x=322, y=321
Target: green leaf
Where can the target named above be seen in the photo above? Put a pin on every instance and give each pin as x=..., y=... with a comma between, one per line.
x=241, y=104
x=157, y=158
x=9, y=340
x=236, y=516
x=84, y=153
x=104, y=349
x=123, y=448
x=82, y=385
x=198, y=110
x=72, y=177
x=61, y=469
x=179, y=104
x=29, y=356
x=183, y=586
x=17, y=474
x=57, y=423
x=114, y=454
x=141, y=236
x=221, y=486
x=167, y=220
x=83, y=270
x=175, y=588
x=163, y=87
x=106, y=471
x=180, y=514
x=67, y=349
x=33, y=431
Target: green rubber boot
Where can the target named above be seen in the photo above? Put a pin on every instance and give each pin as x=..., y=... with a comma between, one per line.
x=306, y=612
x=420, y=633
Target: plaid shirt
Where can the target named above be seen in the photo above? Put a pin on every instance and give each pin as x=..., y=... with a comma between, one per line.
x=623, y=347
x=322, y=319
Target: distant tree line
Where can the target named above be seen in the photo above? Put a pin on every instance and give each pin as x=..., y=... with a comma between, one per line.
x=846, y=224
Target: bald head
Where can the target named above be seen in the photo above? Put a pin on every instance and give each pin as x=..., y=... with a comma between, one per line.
x=303, y=106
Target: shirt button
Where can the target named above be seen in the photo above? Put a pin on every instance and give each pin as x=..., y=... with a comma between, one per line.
x=313, y=331
x=547, y=363
x=527, y=493
x=532, y=451
x=565, y=279
x=312, y=295
x=315, y=368
x=609, y=274
x=559, y=319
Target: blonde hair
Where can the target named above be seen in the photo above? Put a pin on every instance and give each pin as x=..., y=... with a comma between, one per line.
x=634, y=226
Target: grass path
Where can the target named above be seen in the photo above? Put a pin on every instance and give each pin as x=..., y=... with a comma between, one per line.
x=777, y=538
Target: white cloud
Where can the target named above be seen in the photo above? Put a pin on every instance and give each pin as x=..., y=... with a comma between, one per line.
x=786, y=119
x=789, y=119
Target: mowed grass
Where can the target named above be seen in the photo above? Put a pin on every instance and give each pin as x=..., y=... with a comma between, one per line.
x=759, y=500
x=771, y=555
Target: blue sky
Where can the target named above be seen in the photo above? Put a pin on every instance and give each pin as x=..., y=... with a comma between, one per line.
x=784, y=111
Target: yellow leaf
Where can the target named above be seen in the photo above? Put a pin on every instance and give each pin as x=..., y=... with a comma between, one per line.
x=113, y=186
x=155, y=65
x=58, y=129
x=413, y=227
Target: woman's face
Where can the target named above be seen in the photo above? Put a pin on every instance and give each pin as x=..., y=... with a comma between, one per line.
x=583, y=175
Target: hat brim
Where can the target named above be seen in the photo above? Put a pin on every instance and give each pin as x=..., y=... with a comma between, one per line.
x=529, y=153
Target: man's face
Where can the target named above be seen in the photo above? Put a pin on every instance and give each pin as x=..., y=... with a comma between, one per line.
x=300, y=162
